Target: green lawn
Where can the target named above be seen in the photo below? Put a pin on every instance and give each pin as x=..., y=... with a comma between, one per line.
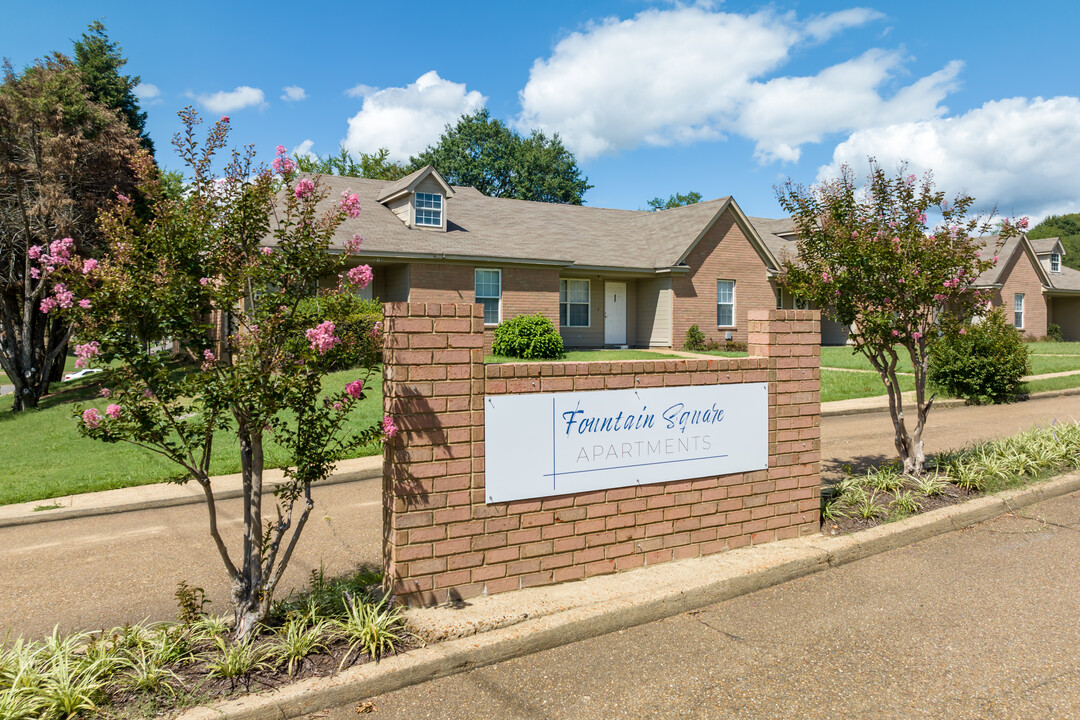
x=590, y=356
x=1055, y=348
x=42, y=454
x=840, y=385
x=1058, y=383
x=845, y=357
x=723, y=353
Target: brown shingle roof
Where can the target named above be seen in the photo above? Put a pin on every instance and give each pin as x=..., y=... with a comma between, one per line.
x=1045, y=246
x=498, y=228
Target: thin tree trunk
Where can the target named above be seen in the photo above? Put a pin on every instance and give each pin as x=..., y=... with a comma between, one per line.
x=248, y=584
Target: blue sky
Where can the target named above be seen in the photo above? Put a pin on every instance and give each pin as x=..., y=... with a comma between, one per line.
x=655, y=98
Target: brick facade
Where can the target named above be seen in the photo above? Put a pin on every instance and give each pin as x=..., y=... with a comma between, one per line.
x=724, y=253
x=1021, y=277
x=443, y=542
x=525, y=290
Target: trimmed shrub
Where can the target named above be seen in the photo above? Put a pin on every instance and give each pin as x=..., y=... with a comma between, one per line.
x=981, y=362
x=531, y=337
x=695, y=339
x=354, y=321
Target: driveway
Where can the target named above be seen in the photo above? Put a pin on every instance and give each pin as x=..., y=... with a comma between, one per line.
x=108, y=570
x=980, y=623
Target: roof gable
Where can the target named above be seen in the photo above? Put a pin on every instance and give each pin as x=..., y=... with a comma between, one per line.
x=408, y=184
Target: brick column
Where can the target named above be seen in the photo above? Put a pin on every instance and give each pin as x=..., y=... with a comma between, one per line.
x=791, y=340
x=433, y=388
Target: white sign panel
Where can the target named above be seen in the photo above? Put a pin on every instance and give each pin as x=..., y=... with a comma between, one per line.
x=545, y=444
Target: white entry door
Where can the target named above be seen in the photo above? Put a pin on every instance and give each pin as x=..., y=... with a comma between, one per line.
x=614, y=313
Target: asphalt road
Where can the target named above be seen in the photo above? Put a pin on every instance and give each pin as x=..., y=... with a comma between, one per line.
x=980, y=623
x=108, y=570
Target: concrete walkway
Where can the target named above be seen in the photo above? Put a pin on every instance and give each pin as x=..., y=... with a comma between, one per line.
x=973, y=624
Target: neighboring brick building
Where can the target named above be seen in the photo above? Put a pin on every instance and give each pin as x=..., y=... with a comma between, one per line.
x=605, y=277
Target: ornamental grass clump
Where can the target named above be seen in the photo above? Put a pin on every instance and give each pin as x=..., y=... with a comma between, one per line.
x=225, y=272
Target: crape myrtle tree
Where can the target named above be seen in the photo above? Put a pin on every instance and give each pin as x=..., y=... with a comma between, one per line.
x=871, y=260
x=247, y=245
x=61, y=157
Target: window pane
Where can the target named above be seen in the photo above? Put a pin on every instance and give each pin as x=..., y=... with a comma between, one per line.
x=487, y=283
x=562, y=315
x=491, y=310
x=1018, y=303
x=562, y=291
x=724, y=315
x=1018, y=319
x=725, y=291
x=578, y=291
x=579, y=315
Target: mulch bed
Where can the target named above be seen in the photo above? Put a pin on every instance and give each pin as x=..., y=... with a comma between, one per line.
x=953, y=495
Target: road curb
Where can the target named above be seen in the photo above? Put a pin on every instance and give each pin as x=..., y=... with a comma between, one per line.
x=943, y=403
x=192, y=499
x=797, y=558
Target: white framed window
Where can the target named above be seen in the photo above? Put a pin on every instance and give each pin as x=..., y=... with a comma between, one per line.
x=1055, y=262
x=725, y=303
x=429, y=209
x=1018, y=310
x=488, y=283
x=574, y=303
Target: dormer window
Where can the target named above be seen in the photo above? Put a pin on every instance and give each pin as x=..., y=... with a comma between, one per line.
x=428, y=210
x=1055, y=262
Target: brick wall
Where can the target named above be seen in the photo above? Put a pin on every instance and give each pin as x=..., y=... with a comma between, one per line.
x=443, y=542
x=1021, y=277
x=725, y=253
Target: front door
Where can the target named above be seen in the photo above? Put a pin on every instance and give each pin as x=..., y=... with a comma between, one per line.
x=614, y=313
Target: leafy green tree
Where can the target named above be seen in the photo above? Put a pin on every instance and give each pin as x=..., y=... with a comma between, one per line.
x=1066, y=227
x=676, y=200
x=482, y=152
x=101, y=61
x=870, y=258
x=62, y=157
x=376, y=166
x=222, y=270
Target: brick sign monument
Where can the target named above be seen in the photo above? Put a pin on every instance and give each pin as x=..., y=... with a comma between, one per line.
x=595, y=467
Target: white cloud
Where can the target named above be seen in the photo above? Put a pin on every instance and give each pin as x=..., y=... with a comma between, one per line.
x=408, y=119
x=229, y=101
x=148, y=93
x=1019, y=154
x=293, y=93
x=361, y=91
x=688, y=73
x=304, y=148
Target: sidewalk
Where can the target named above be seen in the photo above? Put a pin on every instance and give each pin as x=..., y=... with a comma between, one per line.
x=489, y=630
x=161, y=495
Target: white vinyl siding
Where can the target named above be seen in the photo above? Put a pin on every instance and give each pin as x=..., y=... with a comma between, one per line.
x=428, y=210
x=1018, y=310
x=574, y=303
x=725, y=303
x=488, y=284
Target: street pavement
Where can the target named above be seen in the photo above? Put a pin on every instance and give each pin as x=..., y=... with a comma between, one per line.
x=979, y=624
x=108, y=570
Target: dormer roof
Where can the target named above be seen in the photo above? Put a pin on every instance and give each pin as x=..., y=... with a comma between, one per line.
x=408, y=184
x=1046, y=246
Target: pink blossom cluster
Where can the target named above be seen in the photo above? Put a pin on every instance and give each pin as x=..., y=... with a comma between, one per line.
x=826, y=277
x=91, y=417
x=267, y=251
x=283, y=164
x=350, y=203
x=304, y=188
x=322, y=337
x=388, y=427
x=113, y=411
x=353, y=244
x=89, y=265
x=954, y=282
x=86, y=352
x=376, y=329
x=361, y=275
x=208, y=359
x=354, y=389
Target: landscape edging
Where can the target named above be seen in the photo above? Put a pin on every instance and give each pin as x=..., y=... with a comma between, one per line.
x=550, y=631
